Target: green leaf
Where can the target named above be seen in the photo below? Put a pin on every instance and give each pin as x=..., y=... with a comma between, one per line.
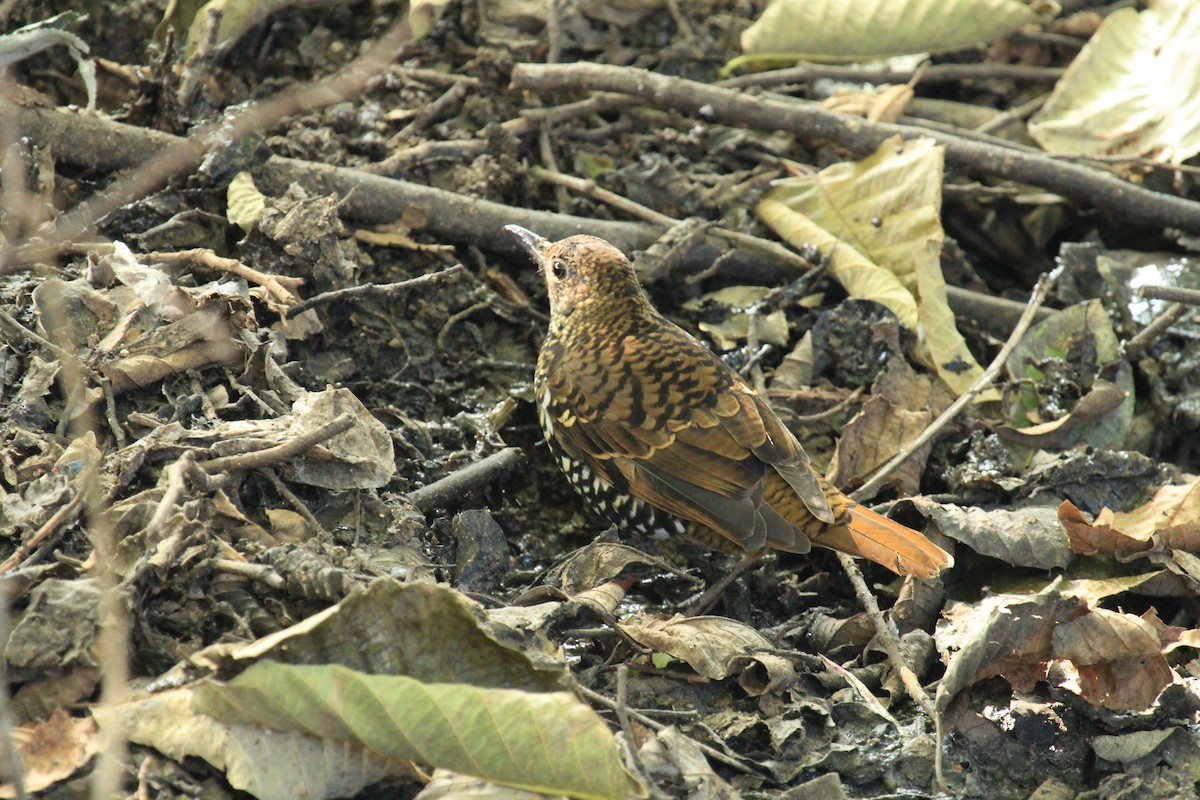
x=544, y=742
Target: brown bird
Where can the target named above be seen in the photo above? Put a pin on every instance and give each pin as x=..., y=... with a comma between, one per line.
x=659, y=434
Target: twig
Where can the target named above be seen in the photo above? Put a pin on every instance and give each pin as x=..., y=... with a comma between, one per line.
x=20, y=331
x=812, y=123
x=175, y=476
x=186, y=153
x=13, y=767
x=280, y=453
x=1159, y=325
x=431, y=113
x=635, y=209
x=821, y=416
x=58, y=518
x=711, y=752
x=868, y=489
x=373, y=290
x=259, y=572
x=883, y=632
x=467, y=480
x=1176, y=294
x=282, y=288
x=296, y=503
x=631, y=738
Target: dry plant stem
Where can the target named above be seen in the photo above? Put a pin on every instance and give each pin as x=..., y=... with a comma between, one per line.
x=112, y=642
x=185, y=154
x=1013, y=114
x=59, y=518
x=447, y=491
x=868, y=489
x=295, y=502
x=15, y=328
x=883, y=632
x=282, y=287
x=373, y=290
x=280, y=453
x=432, y=112
x=175, y=476
x=622, y=710
x=1176, y=294
x=711, y=752
x=635, y=209
x=1148, y=335
x=832, y=411
x=101, y=144
x=13, y=767
x=259, y=572
x=937, y=73
x=813, y=124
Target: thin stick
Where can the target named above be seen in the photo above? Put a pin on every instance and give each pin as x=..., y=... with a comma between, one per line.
x=635, y=209
x=468, y=479
x=1149, y=334
x=883, y=632
x=1176, y=294
x=711, y=752
x=373, y=290
x=280, y=453
x=813, y=124
x=868, y=489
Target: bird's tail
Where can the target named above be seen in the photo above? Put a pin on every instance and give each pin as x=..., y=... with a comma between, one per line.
x=886, y=542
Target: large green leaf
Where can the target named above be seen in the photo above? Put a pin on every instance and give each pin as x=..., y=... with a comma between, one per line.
x=542, y=741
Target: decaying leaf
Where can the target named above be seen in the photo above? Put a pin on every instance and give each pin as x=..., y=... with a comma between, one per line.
x=735, y=327
x=244, y=203
x=1169, y=521
x=901, y=406
x=1102, y=400
x=269, y=764
x=877, y=221
x=397, y=629
x=832, y=30
x=1111, y=659
x=716, y=647
x=53, y=750
x=1057, y=361
x=512, y=737
x=1024, y=537
x=1133, y=90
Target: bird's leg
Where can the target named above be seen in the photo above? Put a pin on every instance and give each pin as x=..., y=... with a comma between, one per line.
x=705, y=602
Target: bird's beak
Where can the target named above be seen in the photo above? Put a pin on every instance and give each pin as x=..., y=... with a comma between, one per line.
x=536, y=245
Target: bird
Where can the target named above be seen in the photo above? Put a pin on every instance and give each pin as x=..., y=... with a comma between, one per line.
x=660, y=435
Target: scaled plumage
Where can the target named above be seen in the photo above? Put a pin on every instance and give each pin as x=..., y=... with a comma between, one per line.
x=659, y=434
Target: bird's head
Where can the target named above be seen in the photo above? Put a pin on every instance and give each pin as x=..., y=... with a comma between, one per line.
x=584, y=272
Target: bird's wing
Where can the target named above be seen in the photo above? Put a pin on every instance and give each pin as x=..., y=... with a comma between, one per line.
x=662, y=416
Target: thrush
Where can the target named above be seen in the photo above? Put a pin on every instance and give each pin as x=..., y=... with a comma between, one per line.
x=661, y=436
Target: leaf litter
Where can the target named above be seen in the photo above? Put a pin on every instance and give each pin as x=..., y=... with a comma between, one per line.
x=302, y=624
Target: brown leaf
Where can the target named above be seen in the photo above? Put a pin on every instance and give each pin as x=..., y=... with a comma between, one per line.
x=1102, y=400
x=1009, y=635
x=1128, y=685
x=1024, y=537
x=53, y=750
x=716, y=647
x=1088, y=538
x=1103, y=636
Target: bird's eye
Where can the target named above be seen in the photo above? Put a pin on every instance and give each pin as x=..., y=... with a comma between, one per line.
x=559, y=270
